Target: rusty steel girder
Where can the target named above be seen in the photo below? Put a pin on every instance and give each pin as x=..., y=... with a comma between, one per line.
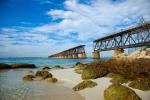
x=75, y=50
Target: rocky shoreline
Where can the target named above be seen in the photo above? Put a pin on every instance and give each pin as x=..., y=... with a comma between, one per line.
x=26, y=65
x=15, y=66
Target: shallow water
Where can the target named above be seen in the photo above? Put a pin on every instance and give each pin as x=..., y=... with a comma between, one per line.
x=12, y=87
x=40, y=62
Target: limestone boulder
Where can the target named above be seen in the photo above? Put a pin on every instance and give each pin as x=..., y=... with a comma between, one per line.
x=28, y=77
x=44, y=74
x=52, y=80
x=120, y=92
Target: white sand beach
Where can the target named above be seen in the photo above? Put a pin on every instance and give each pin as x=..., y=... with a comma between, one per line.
x=69, y=79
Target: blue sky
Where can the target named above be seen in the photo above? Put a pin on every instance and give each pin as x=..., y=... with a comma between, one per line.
x=37, y=28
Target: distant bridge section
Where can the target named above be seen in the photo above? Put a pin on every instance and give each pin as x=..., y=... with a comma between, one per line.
x=133, y=37
x=75, y=52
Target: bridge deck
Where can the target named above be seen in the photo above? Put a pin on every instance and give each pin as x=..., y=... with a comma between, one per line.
x=140, y=27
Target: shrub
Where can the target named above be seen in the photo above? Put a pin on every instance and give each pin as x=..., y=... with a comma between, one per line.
x=143, y=84
x=84, y=84
x=130, y=68
x=119, y=92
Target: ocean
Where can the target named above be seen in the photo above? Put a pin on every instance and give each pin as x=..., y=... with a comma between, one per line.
x=14, y=88
x=41, y=61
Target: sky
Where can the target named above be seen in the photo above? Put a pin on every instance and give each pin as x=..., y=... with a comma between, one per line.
x=38, y=28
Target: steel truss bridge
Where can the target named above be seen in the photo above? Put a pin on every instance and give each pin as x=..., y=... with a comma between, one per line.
x=133, y=37
x=75, y=52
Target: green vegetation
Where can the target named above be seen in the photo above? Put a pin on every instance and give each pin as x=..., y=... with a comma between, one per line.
x=52, y=80
x=143, y=84
x=119, y=92
x=84, y=84
x=94, y=70
x=117, y=79
x=127, y=69
x=28, y=77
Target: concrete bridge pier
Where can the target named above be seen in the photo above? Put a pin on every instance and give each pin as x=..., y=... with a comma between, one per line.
x=96, y=54
x=82, y=55
x=69, y=56
x=118, y=51
x=75, y=56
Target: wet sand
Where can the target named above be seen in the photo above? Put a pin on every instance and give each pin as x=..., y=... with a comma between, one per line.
x=14, y=88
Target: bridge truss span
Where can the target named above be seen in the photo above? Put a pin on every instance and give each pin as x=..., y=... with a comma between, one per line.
x=75, y=52
x=134, y=37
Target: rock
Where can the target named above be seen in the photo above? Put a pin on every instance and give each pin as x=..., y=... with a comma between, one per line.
x=43, y=74
x=78, y=63
x=84, y=84
x=141, y=84
x=23, y=66
x=78, y=71
x=117, y=79
x=94, y=70
x=31, y=71
x=46, y=68
x=119, y=92
x=4, y=66
x=52, y=80
x=80, y=67
x=59, y=67
x=28, y=77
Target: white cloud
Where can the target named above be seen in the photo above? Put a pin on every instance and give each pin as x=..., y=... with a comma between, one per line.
x=93, y=20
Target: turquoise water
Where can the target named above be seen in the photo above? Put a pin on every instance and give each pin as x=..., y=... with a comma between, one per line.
x=39, y=62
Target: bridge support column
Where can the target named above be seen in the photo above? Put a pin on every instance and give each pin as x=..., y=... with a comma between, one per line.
x=75, y=55
x=70, y=56
x=118, y=51
x=82, y=55
x=96, y=54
